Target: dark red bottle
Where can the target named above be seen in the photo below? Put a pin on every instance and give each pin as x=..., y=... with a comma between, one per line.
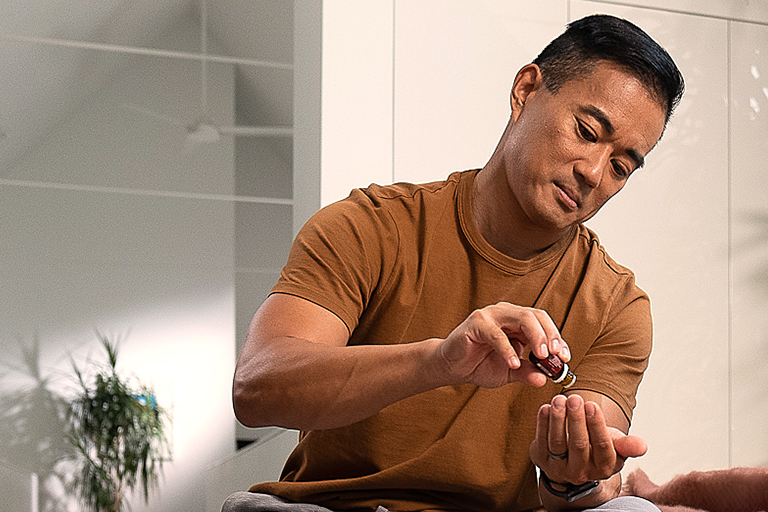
x=554, y=368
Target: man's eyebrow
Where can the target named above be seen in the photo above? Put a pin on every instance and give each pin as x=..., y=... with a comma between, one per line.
x=636, y=157
x=601, y=118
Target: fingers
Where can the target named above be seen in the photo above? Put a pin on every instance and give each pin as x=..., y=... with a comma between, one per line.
x=573, y=444
x=628, y=446
x=603, y=452
x=557, y=437
x=538, y=331
x=579, y=447
x=486, y=348
x=539, y=447
x=517, y=327
x=570, y=452
x=525, y=327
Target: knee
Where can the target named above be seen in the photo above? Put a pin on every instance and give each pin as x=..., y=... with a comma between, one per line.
x=628, y=504
x=235, y=502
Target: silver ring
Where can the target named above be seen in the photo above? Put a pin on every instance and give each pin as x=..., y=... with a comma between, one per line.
x=558, y=456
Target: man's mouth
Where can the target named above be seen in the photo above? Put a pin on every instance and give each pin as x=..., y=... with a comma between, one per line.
x=567, y=196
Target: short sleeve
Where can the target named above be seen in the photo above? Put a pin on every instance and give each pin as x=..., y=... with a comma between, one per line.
x=615, y=363
x=337, y=258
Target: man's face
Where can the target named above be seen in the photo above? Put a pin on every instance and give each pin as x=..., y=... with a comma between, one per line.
x=571, y=151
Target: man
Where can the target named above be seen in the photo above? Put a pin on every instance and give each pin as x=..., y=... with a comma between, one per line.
x=397, y=337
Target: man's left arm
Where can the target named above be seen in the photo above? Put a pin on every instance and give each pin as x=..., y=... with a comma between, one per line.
x=581, y=438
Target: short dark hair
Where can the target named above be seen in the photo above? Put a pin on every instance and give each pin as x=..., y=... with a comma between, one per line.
x=601, y=37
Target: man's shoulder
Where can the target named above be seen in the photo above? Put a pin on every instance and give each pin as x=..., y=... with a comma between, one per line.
x=409, y=191
x=602, y=278
x=401, y=203
x=590, y=243
x=387, y=210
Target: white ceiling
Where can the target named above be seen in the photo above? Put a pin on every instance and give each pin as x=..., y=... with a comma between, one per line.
x=54, y=53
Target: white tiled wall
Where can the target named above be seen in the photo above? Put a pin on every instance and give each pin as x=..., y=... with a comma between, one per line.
x=454, y=64
x=751, y=10
x=749, y=248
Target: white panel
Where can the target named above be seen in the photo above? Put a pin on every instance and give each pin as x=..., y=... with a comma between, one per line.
x=264, y=235
x=356, y=96
x=749, y=145
x=455, y=62
x=259, y=462
x=670, y=226
x=751, y=10
x=307, y=126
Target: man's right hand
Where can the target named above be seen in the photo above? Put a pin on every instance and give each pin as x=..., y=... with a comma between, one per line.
x=486, y=349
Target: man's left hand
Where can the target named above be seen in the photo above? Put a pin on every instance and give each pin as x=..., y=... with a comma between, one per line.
x=574, y=443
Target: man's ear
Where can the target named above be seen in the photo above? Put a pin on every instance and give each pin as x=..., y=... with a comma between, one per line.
x=527, y=82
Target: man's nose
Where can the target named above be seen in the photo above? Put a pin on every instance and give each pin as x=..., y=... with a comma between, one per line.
x=591, y=168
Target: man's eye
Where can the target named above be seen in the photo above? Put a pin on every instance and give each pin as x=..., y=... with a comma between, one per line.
x=619, y=169
x=585, y=132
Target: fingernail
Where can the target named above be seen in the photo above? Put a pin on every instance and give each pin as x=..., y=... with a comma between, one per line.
x=565, y=352
x=514, y=362
x=555, y=345
x=544, y=349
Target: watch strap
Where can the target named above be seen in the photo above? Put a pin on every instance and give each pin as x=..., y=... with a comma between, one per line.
x=572, y=492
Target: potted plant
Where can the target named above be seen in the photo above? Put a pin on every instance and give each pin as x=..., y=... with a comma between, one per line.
x=117, y=430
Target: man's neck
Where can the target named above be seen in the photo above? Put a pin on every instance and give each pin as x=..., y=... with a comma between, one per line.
x=501, y=221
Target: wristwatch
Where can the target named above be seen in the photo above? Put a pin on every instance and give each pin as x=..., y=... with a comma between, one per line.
x=571, y=492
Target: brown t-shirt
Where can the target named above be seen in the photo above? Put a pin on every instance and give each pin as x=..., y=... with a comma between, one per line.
x=405, y=262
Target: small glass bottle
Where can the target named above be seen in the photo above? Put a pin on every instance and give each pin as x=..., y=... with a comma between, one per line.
x=554, y=368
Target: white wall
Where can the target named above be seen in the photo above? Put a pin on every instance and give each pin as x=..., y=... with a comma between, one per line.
x=356, y=102
x=109, y=224
x=261, y=461
x=748, y=248
x=692, y=223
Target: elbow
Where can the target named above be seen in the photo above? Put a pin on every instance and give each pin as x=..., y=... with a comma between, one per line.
x=248, y=402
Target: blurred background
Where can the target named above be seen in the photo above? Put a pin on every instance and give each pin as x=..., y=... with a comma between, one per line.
x=156, y=158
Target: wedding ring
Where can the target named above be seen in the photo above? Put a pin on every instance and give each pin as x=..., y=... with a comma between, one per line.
x=558, y=456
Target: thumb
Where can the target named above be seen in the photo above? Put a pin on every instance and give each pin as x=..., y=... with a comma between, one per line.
x=628, y=446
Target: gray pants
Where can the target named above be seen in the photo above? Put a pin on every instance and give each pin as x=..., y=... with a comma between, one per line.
x=254, y=502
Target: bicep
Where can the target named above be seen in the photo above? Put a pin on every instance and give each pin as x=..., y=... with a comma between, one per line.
x=286, y=334
x=288, y=316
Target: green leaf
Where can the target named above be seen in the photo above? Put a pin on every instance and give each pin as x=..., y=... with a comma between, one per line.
x=118, y=432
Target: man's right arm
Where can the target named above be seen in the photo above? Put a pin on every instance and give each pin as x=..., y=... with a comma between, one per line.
x=297, y=371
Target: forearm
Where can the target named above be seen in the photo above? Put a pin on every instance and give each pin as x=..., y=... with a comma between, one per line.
x=311, y=386
x=297, y=370
x=607, y=490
